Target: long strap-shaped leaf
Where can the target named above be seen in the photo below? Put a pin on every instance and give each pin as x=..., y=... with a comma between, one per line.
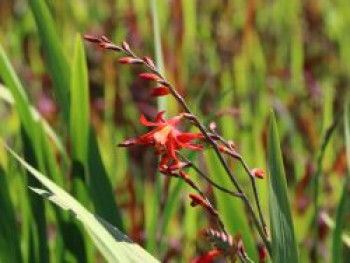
x=114, y=246
x=56, y=62
x=282, y=231
x=343, y=209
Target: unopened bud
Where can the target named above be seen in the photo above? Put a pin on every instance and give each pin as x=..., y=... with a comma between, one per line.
x=126, y=46
x=128, y=60
x=150, y=76
x=258, y=173
x=149, y=61
x=160, y=91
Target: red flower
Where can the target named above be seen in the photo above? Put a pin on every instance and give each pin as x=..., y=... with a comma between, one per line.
x=166, y=138
x=208, y=257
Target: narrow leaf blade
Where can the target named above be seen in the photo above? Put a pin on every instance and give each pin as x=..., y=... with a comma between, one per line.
x=282, y=231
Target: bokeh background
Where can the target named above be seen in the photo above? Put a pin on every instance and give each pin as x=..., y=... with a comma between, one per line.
x=233, y=61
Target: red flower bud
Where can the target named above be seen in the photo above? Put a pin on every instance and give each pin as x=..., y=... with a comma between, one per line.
x=150, y=76
x=149, y=61
x=128, y=60
x=258, y=173
x=91, y=39
x=160, y=91
x=228, y=151
x=110, y=46
x=198, y=200
x=262, y=254
x=126, y=46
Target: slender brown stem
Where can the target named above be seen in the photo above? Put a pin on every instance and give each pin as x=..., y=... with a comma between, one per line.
x=255, y=191
x=202, y=174
x=251, y=176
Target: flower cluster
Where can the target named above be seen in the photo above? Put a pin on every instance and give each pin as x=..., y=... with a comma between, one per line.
x=167, y=139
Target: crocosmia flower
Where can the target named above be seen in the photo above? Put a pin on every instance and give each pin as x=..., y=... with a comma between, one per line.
x=166, y=139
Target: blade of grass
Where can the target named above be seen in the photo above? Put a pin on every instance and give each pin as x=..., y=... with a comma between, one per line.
x=284, y=247
x=9, y=239
x=343, y=209
x=319, y=162
x=31, y=148
x=98, y=183
x=114, y=248
x=56, y=62
x=20, y=98
x=79, y=111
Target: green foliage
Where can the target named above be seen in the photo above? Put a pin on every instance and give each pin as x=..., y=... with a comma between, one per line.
x=115, y=246
x=284, y=247
x=55, y=60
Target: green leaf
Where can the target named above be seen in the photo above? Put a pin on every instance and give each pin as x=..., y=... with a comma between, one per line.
x=20, y=97
x=115, y=248
x=56, y=63
x=98, y=182
x=284, y=248
x=343, y=209
x=9, y=240
x=79, y=111
x=15, y=94
x=347, y=132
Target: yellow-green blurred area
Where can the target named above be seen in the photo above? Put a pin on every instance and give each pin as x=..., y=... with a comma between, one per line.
x=233, y=61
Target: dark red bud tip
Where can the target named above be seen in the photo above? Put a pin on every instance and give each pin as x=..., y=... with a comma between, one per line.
x=197, y=200
x=127, y=143
x=149, y=62
x=160, y=91
x=258, y=173
x=262, y=254
x=91, y=39
x=128, y=60
x=150, y=76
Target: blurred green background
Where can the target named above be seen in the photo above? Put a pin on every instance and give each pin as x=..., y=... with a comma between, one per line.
x=232, y=60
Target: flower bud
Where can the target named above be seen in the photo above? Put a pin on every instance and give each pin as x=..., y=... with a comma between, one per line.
x=160, y=91
x=126, y=46
x=149, y=61
x=150, y=76
x=128, y=60
x=91, y=39
x=258, y=173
